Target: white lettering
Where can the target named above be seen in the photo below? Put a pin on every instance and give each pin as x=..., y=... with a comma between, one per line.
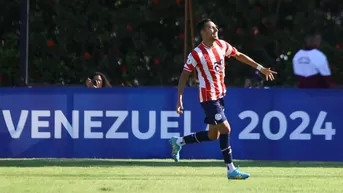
x=89, y=124
x=111, y=133
x=247, y=133
x=166, y=124
x=169, y=123
x=282, y=126
x=15, y=132
x=151, y=129
x=36, y=124
x=298, y=134
x=73, y=129
x=327, y=131
x=187, y=123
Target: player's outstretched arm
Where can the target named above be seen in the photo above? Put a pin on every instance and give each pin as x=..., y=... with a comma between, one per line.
x=180, y=88
x=247, y=60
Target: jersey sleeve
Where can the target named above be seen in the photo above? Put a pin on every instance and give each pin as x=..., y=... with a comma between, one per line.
x=190, y=63
x=324, y=70
x=229, y=49
x=323, y=66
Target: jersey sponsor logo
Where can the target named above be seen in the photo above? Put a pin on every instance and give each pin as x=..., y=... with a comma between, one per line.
x=218, y=65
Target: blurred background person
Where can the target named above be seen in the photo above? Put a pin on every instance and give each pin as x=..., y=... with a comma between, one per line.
x=97, y=80
x=310, y=65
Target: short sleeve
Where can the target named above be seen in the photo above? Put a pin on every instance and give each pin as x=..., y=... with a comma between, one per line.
x=190, y=63
x=229, y=49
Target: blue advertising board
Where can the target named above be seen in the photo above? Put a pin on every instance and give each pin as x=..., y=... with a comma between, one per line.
x=267, y=124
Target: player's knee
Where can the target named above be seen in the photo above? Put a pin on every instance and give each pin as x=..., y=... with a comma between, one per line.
x=213, y=135
x=225, y=128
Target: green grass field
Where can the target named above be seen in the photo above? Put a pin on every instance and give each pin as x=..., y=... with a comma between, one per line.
x=164, y=176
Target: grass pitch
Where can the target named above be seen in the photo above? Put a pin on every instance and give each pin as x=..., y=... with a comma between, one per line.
x=165, y=176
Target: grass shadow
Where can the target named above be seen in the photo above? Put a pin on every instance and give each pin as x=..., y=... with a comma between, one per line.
x=156, y=163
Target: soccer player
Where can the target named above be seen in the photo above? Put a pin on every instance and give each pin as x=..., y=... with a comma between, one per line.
x=208, y=58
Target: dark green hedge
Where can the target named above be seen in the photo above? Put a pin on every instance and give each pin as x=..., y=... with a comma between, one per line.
x=141, y=41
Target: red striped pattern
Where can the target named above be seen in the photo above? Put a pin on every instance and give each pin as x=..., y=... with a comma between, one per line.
x=204, y=60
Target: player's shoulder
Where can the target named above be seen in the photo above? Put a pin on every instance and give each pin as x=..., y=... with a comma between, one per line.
x=196, y=49
x=194, y=53
x=223, y=43
x=221, y=40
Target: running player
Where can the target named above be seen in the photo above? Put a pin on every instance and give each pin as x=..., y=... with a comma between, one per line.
x=208, y=58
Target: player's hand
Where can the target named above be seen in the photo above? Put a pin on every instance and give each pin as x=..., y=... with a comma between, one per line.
x=268, y=73
x=179, y=107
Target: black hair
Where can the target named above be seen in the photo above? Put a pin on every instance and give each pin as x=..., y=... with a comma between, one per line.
x=312, y=33
x=201, y=24
x=105, y=82
x=310, y=38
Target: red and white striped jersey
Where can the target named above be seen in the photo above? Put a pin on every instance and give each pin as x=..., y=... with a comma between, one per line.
x=210, y=65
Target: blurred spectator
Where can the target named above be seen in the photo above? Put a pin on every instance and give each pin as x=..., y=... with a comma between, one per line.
x=97, y=80
x=251, y=83
x=254, y=81
x=310, y=65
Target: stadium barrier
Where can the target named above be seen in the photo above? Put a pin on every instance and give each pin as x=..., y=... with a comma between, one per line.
x=267, y=124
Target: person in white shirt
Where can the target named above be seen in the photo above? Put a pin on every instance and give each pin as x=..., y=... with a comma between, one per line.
x=310, y=65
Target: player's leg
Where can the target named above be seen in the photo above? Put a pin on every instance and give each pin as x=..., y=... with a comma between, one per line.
x=224, y=129
x=225, y=147
x=209, y=108
x=198, y=137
